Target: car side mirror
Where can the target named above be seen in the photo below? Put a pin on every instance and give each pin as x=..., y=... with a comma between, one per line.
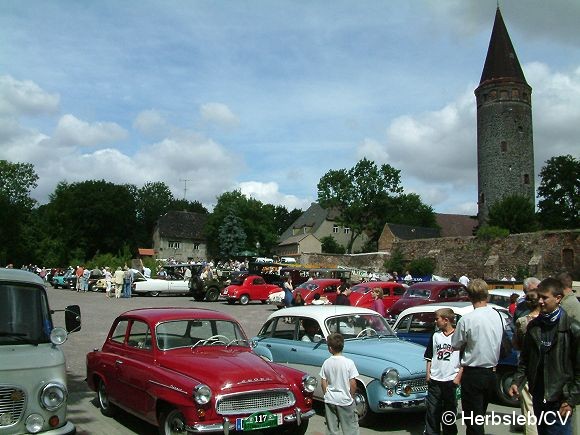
x=72, y=318
x=317, y=338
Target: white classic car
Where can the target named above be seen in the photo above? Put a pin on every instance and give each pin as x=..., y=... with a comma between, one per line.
x=155, y=286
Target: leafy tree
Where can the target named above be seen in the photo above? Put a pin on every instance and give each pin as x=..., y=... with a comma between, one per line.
x=257, y=221
x=396, y=263
x=514, y=213
x=284, y=218
x=152, y=201
x=16, y=182
x=331, y=246
x=559, y=192
x=368, y=196
x=232, y=237
x=191, y=206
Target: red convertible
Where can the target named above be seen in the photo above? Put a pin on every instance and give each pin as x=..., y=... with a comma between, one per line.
x=246, y=288
x=325, y=287
x=362, y=295
x=193, y=370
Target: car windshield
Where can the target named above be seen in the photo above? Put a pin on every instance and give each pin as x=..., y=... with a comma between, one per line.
x=196, y=333
x=24, y=315
x=308, y=286
x=418, y=293
x=359, y=326
x=360, y=289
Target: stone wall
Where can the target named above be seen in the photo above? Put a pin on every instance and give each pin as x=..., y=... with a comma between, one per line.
x=543, y=253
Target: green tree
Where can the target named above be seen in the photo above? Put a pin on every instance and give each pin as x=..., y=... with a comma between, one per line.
x=191, y=206
x=422, y=266
x=232, y=237
x=16, y=183
x=368, y=196
x=559, y=193
x=257, y=221
x=487, y=232
x=284, y=218
x=152, y=201
x=331, y=246
x=515, y=213
x=396, y=263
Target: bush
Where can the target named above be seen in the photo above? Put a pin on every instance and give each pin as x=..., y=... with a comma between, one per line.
x=396, y=263
x=422, y=266
x=490, y=232
x=331, y=246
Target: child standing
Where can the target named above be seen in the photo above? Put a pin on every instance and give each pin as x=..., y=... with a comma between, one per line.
x=338, y=375
x=443, y=375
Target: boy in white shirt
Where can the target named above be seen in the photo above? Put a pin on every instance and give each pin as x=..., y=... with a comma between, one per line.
x=338, y=375
x=443, y=375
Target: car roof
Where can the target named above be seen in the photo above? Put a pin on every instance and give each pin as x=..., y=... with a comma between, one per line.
x=505, y=292
x=460, y=308
x=18, y=275
x=436, y=284
x=379, y=283
x=320, y=281
x=175, y=313
x=320, y=312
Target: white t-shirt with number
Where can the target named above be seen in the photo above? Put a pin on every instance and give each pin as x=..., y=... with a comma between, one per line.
x=444, y=360
x=338, y=371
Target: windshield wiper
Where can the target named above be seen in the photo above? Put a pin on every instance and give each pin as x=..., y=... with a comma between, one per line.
x=238, y=340
x=20, y=336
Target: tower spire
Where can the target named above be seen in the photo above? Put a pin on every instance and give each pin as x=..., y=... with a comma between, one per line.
x=501, y=63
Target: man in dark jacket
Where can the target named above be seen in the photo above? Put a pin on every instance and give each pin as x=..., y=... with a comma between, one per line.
x=550, y=362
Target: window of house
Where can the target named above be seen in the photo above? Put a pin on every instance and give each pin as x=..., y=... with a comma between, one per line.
x=346, y=230
x=174, y=245
x=335, y=228
x=196, y=246
x=503, y=146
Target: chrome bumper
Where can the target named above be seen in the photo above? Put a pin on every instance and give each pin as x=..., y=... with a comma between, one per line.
x=227, y=425
x=391, y=404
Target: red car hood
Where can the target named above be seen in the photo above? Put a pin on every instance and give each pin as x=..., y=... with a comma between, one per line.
x=222, y=368
x=405, y=303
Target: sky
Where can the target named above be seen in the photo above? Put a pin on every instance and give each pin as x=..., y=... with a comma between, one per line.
x=266, y=96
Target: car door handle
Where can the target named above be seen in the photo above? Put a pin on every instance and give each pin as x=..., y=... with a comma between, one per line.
x=119, y=362
x=268, y=346
x=293, y=349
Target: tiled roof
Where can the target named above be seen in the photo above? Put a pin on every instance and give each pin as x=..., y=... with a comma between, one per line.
x=146, y=251
x=182, y=225
x=410, y=232
x=313, y=217
x=456, y=225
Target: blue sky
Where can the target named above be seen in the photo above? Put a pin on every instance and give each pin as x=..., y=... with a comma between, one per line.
x=266, y=96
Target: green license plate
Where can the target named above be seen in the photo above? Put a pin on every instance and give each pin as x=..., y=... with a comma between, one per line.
x=259, y=420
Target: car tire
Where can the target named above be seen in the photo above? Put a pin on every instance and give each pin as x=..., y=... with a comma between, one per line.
x=365, y=415
x=154, y=294
x=212, y=295
x=505, y=376
x=107, y=408
x=244, y=299
x=171, y=421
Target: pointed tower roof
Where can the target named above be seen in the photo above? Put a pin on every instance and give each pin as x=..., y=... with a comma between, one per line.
x=501, y=63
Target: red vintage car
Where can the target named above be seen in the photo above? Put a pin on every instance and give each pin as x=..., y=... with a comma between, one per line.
x=362, y=295
x=246, y=288
x=426, y=293
x=325, y=287
x=193, y=370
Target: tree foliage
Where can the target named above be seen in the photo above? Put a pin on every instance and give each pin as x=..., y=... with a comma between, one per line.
x=487, y=232
x=231, y=236
x=331, y=246
x=368, y=196
x=515, y=213
x=16, y=183
x=422, y=266
x=396, y=263
x=559, y=193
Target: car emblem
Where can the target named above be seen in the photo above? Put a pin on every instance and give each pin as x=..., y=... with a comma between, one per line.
x=254, y=380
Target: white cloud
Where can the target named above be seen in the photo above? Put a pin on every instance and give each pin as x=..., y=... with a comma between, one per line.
x=24, y=97
x=71, y=131
x=151, y=123
x=268, y=193
x=219, y=114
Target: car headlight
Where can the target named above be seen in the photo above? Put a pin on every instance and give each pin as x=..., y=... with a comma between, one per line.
x=309, y=383
x=34, y=423
x=202, y=394
x=53, y=396
x=390, y=378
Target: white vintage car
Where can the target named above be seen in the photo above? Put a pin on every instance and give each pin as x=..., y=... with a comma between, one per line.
x=156, y=286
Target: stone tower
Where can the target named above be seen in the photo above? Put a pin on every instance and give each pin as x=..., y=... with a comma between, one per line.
x=505, y=149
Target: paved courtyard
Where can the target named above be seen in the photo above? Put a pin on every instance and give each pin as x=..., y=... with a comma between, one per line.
x=98, y=312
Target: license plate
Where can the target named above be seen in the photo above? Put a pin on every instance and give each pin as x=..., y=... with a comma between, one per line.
x=259, y=420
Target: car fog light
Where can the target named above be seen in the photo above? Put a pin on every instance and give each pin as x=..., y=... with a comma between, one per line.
x=405, y=390
x=309, y=383
x=52, y=396
x=34, y=423
x=202, y=394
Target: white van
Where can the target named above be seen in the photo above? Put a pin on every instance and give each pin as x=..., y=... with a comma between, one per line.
x=33, y=391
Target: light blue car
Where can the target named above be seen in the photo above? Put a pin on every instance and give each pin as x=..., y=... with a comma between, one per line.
x=392, y=371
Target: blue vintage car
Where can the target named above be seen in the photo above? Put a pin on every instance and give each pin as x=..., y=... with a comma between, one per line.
x=392, y=371
x=62, y=280
x=417, y=324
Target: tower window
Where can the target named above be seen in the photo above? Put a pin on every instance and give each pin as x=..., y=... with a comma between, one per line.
x=525, y=96
x=482, y=198
x=526, y=178
x=493, y=95
x=503, y=95
x=515, y=93
x=503, y=146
